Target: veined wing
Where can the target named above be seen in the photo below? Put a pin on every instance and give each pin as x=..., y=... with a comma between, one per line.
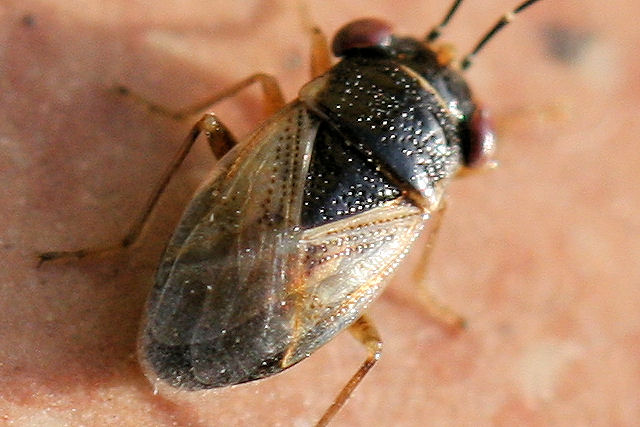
x=242, y=291
x=217, y=304
x=346, y=265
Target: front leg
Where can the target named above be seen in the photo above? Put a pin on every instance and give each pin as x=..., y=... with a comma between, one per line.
x=273, y=99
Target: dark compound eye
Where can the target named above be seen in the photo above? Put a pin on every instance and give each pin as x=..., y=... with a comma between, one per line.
x=480, y=148
x=363, y=33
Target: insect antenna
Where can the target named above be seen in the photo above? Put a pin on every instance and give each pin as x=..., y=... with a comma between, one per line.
x=437, y=30
x=506, y=18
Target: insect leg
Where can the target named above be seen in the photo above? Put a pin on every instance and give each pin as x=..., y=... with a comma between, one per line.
x=364, y=331
x=220, y=140
x=320, y=60
x=274, y=100
x=434, y=308
x=320, y=56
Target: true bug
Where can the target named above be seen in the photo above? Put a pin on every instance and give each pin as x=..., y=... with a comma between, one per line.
x=301, y=225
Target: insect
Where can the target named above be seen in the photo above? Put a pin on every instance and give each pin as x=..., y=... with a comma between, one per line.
x=301, y=225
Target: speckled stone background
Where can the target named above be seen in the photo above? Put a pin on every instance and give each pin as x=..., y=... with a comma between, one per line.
x=540, y=255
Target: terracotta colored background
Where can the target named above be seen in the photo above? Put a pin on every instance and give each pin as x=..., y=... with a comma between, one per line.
x=540, y=255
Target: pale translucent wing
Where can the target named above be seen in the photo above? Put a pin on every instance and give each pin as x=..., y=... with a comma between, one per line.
x=226, y=266
x=346, y=265
x=242, y=292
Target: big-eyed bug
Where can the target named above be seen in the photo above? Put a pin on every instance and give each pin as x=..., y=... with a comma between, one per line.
x=302, y=224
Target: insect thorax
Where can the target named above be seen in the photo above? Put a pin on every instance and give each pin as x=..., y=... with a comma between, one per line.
x=403, y=115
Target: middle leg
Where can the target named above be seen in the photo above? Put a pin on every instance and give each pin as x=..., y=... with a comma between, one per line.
x=220, y=140
x=434, y=308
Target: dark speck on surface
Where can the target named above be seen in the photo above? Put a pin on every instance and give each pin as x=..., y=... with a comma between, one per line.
x=566, y=44
x=28, y=20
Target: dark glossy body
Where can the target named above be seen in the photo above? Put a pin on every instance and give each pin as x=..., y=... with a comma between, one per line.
x=300, y=226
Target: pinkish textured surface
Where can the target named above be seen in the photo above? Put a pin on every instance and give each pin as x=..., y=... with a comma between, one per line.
x=540, y=255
